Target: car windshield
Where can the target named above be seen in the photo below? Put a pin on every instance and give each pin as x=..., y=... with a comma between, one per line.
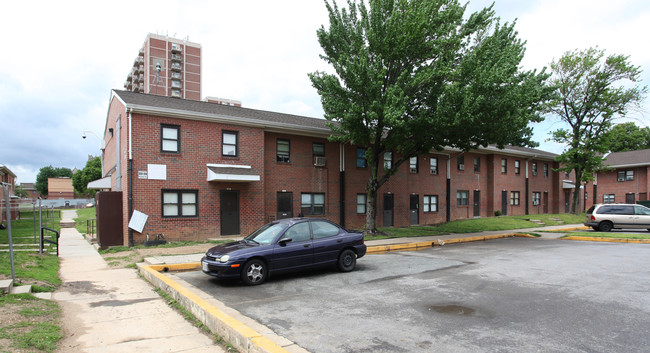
x=266, y=234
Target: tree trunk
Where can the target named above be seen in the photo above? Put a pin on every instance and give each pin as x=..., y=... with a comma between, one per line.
x=576, y=192
x=371, y=213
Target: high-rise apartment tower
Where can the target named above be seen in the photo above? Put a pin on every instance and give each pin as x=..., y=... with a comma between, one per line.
x=167, y=66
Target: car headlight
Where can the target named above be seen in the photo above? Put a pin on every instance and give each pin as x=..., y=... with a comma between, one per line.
x=224, y=258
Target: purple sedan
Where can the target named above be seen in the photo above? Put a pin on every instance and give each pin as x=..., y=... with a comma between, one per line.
x=285, y=245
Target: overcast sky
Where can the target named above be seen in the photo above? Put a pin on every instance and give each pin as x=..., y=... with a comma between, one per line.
x=60, y=59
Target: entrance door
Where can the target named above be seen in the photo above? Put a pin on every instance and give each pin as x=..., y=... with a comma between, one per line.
x=545, y=200
x=629, y=198
x=388, y=210
x=414, y=205
x=504, y=202
x=477, y=203
x=567, y=201
x=229, y=212
x=285, y=205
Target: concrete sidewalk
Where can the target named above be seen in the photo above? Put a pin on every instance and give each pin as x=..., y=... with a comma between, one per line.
x=113, y=310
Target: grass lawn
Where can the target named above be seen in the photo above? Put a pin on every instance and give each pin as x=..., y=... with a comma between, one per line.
x=30, y=267
x=84, y=214
x=614, y=235
x=29, y=324
x=479, y=225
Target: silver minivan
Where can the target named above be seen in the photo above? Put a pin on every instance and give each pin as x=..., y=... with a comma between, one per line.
x=605, y=217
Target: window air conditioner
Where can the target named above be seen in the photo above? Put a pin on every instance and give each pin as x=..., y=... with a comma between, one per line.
x=621, y=179
x=434, y=171
x=414, y=170
x=461, y=167
x=320, y=161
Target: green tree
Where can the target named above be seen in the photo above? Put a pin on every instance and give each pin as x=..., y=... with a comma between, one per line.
x=92, y=171
x=628, y=137
x=412, y=76
x=591, y=91
x=20, y=192
x=50, y=172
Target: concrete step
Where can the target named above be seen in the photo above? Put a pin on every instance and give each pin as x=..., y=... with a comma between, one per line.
x=21, y=289
x=6, y=285
x=66, y=223
x=43, y=295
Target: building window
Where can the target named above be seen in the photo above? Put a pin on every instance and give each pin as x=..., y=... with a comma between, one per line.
x=504, y=165
x=517, y=167
x=180, y=203
x=388, y=160
x=625, y=175
x=609, y=198
x=545, y=170
x=433, y=163
x=361, y=158
x=514, y=198
x=536, y=198
x=462, y=197
x=534, y=167
x=171, y=138
x=318, y=149
x=460, y=162
x=477, y=164
x=566, y=175
x=431, y=203
x=312, y=204
x=413, y=165
x=283, y=149
x=361, y=203
x=229, y=143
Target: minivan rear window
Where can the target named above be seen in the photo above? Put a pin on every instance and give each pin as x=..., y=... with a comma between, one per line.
x=616, y=209
x=591, y=210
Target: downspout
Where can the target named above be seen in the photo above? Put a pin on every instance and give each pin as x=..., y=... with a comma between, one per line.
x=448, y=199
x=342, y=184
x=527, y=186
x=130, y=180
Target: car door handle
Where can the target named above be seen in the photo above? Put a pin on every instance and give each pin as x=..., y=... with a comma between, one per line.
x=339, y=241
x=306, y=245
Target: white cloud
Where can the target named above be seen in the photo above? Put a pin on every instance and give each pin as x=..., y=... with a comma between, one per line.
x=61, y=59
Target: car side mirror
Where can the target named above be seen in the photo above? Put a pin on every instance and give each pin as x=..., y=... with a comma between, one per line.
x=284, y=241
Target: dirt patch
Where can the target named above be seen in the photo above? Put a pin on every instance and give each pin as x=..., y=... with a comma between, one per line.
x=125, y=258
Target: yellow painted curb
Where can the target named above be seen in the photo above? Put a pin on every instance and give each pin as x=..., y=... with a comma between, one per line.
x=560, y=230
x=609, y=240
x=262, y=343
x=380, y=249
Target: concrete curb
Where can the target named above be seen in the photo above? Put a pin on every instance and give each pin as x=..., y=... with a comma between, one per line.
x=380, y=249
x=240, y=336
x=609, y=240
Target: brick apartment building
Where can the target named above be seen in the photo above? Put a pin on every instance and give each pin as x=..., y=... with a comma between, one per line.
x=626, y=181
x=200, y=170
x=167, y=66
x=9, y=178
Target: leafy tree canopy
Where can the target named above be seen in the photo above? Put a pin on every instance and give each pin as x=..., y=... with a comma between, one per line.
x=92, y=171
x=591, y=90
x=410, y=76
x=628, y=137
x=50, y=172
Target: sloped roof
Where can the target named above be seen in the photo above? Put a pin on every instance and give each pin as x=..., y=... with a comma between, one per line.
x=142, y=102
x=628, y=158
x=272, y=121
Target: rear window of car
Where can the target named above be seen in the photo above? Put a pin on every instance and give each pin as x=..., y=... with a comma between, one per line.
x=616, y=209
x=591, y=210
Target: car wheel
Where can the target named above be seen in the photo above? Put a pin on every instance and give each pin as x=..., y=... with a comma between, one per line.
x=254, y=272
x=347, y=260
x=594, y=228
x=605, y=226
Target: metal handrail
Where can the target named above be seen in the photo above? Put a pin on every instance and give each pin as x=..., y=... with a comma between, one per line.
x=91, y=227
x=49, y=241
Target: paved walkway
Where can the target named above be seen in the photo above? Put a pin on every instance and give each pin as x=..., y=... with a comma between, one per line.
x=113, y=310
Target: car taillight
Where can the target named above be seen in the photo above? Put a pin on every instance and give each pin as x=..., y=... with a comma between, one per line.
x=593, y=218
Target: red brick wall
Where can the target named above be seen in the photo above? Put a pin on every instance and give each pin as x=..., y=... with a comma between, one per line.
x=608, y=184
x=200, y=145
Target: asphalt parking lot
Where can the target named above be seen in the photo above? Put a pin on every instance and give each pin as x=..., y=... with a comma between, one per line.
x=507, y=295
